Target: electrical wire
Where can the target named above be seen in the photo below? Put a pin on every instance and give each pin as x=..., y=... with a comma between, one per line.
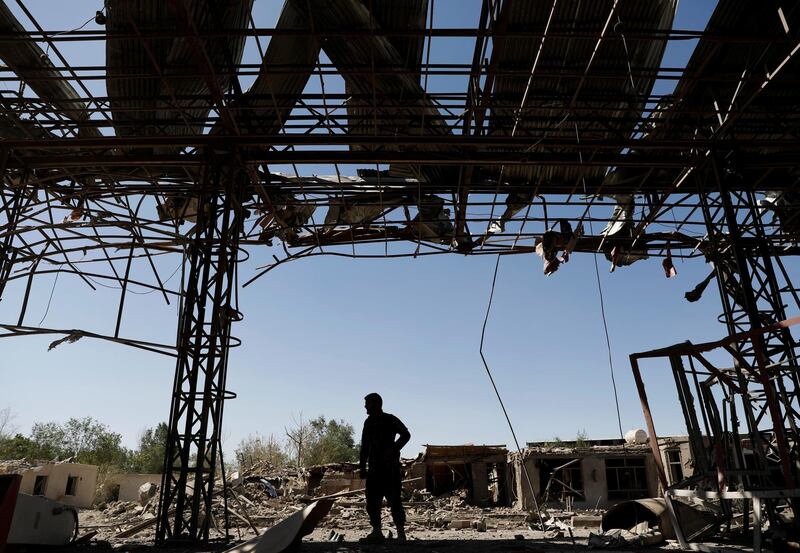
x=602, y=304
x=500, y=399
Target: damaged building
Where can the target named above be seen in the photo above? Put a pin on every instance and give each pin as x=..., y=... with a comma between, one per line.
x=72, y=484
x=481, y=470
x=591, y=474
x=535, y=128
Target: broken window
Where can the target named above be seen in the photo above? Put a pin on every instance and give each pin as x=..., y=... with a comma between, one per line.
x=72, y=486
x=675, y=466
x=40, y=485
x=561, y=479
x=626, y=478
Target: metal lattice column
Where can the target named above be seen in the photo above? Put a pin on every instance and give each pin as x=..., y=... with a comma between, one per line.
x=207, y=311
x=753, y=296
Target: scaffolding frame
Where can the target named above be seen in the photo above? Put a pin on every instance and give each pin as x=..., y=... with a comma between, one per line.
x=158, y=154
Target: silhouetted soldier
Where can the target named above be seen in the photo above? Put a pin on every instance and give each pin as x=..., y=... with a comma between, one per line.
x=380, y=465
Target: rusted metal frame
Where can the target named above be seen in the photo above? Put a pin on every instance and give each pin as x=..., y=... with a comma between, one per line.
x=648, y=417
x=12, y=209
x=306, y=138
x=699, y=390
x=757, y=346
x=124, y=282
x=29, y=285
x=136, y=232
x=53, y=226
x=20, y=330
x=715, y=372
x=638, y=33
x=87, y=274
x=419, y=157
x=732, y=417
x=716, y=134
x=768, y=290
x=687, y=402
x=203, y=62
x=59, y=248
x=786, y=459
x=221, y=318
x=229, y=122
x=176, y=459
x=741, y=364
x=717, y=436
x=523, y=102
x=429, y=69
x=475, y=109
x=205, y=326
x=49, y=39
x=160, y=76
x=97, y=244
x=591, y=112
x=124, y=289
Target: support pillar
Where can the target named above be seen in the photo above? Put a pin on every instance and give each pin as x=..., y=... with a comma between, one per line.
x=754, y=296
x=207, y=310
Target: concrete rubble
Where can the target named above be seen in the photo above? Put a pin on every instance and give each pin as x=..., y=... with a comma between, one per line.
x=262, y=497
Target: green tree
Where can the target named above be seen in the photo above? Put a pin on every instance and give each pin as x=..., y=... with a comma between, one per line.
x=48, y=441
x=255, y=448
x=85, y=440
x=331, y=441
x=149, y=457
x=17, y=447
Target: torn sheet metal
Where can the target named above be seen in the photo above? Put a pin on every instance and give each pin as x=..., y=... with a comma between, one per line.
x=356, y=211
x=288, y=532
x=178, y=208
x=433, y=221
x=552, y=242
x=286, y=222
x=786, y=208
x=628, y=515
x=622, y=217
x=622, y=257
x=515, y=203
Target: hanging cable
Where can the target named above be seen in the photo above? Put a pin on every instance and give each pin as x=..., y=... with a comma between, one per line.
x=602, y=302
x=500, y=399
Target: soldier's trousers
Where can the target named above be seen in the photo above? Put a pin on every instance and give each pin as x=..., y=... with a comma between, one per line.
x=385, y=484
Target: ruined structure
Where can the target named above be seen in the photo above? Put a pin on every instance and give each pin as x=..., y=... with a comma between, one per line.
x=481, y=470
x=72, y=484
x=552, y=142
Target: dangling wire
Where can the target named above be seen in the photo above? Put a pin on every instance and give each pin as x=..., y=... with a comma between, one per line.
x=500, y=399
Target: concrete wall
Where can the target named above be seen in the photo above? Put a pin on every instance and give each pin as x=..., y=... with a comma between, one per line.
x=129, y=484
x=682, y=444
x=595, y=485
x=57, y=477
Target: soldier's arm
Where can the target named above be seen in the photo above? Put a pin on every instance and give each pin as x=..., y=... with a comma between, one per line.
x=404, y=434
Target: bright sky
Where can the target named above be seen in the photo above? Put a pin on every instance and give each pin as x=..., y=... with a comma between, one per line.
x=320, y=333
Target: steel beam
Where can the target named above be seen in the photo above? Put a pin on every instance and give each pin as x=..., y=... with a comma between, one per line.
x=208, y=308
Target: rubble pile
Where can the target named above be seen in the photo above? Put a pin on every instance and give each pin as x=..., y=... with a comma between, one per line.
x=262, y=495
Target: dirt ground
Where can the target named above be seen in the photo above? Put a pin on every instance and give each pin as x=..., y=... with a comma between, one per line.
x=439, y=541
